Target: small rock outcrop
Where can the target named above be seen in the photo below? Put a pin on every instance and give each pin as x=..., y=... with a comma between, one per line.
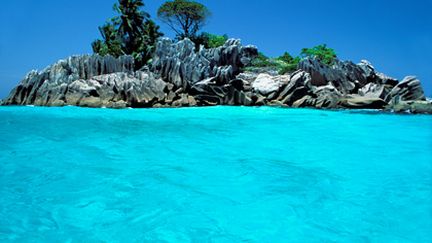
x=361, y=102
x=415, y=107
x=409, y=89
x=182, y=76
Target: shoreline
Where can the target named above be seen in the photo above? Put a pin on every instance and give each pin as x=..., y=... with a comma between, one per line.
x=362, y=111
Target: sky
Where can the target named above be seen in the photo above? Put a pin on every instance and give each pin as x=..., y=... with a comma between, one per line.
x=396, y=36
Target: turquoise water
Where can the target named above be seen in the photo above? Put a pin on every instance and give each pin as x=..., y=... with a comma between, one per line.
x=220, y=174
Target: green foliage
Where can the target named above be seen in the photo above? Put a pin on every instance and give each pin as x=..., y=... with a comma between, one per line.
x=130, y=33
x=321, y=52
x=283, y=64
x=216, y=40
x=111, y=43
x=209, y=40
x=290, y=63
x=286, y=57
x=263, y=61
x=185, y=17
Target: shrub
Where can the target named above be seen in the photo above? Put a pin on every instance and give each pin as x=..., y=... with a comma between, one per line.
x=290, y=63
x=209, y=40
x=321, y=52
x=263, y=61
x=215, y=41
x=283, y=64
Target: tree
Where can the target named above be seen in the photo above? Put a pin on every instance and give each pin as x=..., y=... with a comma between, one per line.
x=184, y=17
x=111, y=43
x=321, y=52
x=130, y=33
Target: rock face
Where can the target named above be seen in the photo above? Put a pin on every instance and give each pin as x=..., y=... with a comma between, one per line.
x=266, y=84
x=183, y=76
x=409, y=89
x=139, y=89
x=50, y=85
x=182, y=65
x=346, y=76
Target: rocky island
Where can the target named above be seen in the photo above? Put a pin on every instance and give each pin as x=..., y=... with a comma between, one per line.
x=286, y=140
x=133, y=65
x=181, y=75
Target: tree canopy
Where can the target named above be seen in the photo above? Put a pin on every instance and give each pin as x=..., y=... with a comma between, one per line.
x=130, y=33
x=184, y=17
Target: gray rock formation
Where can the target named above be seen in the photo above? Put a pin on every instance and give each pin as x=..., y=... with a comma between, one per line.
x=415, y=107
x=182, y=76
x=361, y=102
x=342, y=75
x=296, y=87
x=139, y=89
x=182, y=65
x=346, y=77
x=266, y=84
x=50, y=85
x=409, y=89
x=373, y=90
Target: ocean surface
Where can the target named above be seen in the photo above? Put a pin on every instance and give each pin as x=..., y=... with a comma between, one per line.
x=219, y=174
